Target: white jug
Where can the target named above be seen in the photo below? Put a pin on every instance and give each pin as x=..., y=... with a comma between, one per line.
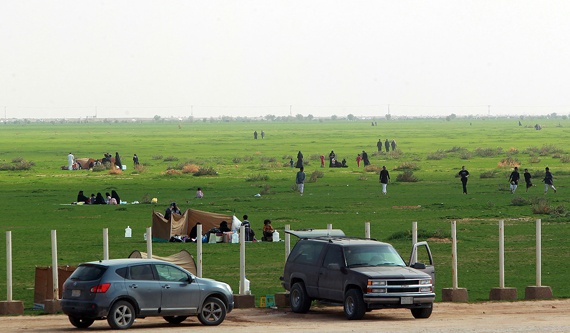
x=275, y=236
x=128, y=232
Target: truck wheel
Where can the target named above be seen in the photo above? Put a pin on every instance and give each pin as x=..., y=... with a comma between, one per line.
x=354, y=306
x=422, y=313
x=300, y=301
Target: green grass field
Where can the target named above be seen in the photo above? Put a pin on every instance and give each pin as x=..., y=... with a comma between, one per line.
x=36, y=201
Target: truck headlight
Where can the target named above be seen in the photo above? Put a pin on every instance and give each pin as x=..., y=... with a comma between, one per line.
x=376, y=286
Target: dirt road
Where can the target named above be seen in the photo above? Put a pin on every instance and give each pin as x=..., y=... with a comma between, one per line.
x=524, y=316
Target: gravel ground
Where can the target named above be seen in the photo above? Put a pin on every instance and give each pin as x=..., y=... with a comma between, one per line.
x=523, y=316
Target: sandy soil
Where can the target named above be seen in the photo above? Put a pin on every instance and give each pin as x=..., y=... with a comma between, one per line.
x=523, y=316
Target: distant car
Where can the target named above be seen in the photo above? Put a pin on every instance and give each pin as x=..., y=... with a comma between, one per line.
x=361, y=274
x=121, y=290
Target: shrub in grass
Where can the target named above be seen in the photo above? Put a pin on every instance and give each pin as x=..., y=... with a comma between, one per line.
x=190, y=168
x=512, y=151
x=268, y=159
x=488, y=152
x=395, y=154
x=518, y=201
x=438, y=155
x=565, y=158
x=559, y=211
x=556, y=155
x=206, y=171
x=362, y=177
x=534, y=159
x=465, y=155
x=540, y=206
x=407, y=177
x=156, y=157
x=248, y=158
x=99, y=167
x=115, y=171
x=422, y=234
x=549, y=149
x=236, y=160
x=372, y=168
x=315, y=157
x=257, y=178
x=306, y=162
x=17, y=160
x=509, y=162
x=487, y=174
x=139, y=168
x=287, y=157
x=456, y=149
x=314, y=175
x=170, y=159
x=407, y=166
x=266, y=189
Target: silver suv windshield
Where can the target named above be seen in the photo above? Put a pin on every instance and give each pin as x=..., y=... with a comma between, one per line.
x=372, y=255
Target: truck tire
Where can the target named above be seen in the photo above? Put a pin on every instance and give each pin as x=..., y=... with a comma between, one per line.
x=354, y=306
x=422, y=313
x=300, y=301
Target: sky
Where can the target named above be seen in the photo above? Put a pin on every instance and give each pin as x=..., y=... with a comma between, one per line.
x=117, y=58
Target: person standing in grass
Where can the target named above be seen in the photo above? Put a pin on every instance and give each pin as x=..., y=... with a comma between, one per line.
x=527, y=179
x=548, y=181
x=384, y=179
x=358, y=159
x=70, y=161
x=464, y=174
x=514, y=180
x=379, y=145
x=300, y=180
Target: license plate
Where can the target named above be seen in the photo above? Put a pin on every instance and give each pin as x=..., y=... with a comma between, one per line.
x=407, y=300
x=75, y=293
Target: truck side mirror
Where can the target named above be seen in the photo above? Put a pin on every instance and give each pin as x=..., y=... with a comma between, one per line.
x=418, y=265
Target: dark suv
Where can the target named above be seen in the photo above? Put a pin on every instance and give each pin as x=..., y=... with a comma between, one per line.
x=362, y=274
x=121, y=290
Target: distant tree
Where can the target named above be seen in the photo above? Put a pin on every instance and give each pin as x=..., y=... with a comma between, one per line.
x=270, y=117
x=299, y=116
x=334, y=117
x=553, y=115
x=310, y=117
x=452, y=116
x=388, y=116
x=156, y=118
x=350, y=117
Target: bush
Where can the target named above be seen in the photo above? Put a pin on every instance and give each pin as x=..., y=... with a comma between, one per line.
x=540, y=206
x=422, y=234
x=139, y=168
x=18, y=160
x=534, y=159
x=265, y=190
x=488, y=152
x=100, y=167
x=115, y=171
x=465, y=155
x=559, y=211
x=315, y=157
x=157, y=157
x=456, y=149
x=372, y=168
x=517, y=201
x=248, y=158
x=316, y=174
x=257, y=178
x=395, y=154
x=509, y=162
x=17, y=166
x=488, y=174
x=206, y=171
x=172, y=172
x=512, y=151
x=564, y=158
x=438, y=155
x=170, y=159
x=236, y=160
x=268, y=159
x=407, y=166
x=190, y=168
x=407, y=177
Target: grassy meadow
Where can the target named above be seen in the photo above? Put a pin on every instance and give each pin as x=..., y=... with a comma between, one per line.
x=37, y=200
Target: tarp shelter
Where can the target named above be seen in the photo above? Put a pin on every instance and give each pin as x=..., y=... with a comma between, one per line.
x=163, y=229
x=84, y=162
x=183, y=259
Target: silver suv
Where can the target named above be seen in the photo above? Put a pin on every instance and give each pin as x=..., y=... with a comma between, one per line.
x=121, y=290
x=361, y=274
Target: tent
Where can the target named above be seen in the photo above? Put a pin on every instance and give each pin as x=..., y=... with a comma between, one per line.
x=163, y=229
x=84, y=162
x=183, y=259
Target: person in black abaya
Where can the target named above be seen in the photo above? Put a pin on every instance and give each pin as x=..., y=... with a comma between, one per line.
x=299, y=160
x=118, y=160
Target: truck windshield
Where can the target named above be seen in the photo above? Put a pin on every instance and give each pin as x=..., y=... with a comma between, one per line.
x=372, y=255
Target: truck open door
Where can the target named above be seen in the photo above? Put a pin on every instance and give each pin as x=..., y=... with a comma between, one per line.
x=422, y=259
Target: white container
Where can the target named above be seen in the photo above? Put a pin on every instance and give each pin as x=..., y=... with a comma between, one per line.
x=235, y=238
x=246, y=286
x=275, y=236
x=124, y=167
x=145, y=236
x=128, y=232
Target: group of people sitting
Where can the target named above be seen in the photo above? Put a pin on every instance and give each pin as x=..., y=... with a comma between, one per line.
x=109, y=199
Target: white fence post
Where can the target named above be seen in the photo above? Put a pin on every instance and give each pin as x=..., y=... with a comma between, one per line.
x=199, y=249
x=54, y=267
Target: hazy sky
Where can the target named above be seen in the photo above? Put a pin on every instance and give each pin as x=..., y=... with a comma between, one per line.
x=208, y=58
